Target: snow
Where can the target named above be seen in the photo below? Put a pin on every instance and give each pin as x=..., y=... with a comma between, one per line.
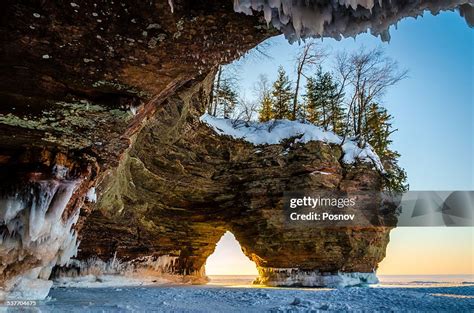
x=103, y=281
x=273, y=132
x=27, y=287
x=320, y=172
x=235, y=298
x=91, y=195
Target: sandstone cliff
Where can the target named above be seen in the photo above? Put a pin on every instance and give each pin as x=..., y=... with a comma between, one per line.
x=181, y=186
x=106, y=96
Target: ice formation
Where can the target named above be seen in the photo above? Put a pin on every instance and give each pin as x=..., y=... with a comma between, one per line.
x=321, y=18
x=97, y=273
x=32, y=227
x=288, y=277
x=273, y=132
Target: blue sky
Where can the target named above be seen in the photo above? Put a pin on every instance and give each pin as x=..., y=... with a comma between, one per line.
x=432, y=108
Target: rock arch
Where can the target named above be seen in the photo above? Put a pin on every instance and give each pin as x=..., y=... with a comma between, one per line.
x=181, y=186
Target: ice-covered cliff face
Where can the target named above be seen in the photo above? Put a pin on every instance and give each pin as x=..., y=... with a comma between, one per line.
x=321, y=18
x=32, y=228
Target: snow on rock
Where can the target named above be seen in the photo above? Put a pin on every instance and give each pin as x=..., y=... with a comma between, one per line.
x=273, y=132
x=315, y=18
x=34, y=226
x=91, y=195
x=290, y=277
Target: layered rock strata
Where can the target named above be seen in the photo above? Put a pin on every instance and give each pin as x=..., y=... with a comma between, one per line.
x=182, y=186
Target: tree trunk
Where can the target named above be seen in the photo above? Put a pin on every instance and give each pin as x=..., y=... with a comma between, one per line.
x=216, y=98
x=295, y=99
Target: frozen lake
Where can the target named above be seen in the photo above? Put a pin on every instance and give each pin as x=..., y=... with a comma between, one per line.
x=235, y=294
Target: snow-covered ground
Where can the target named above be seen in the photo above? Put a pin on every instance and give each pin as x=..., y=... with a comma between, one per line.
x=275, y=131
x=239, y=296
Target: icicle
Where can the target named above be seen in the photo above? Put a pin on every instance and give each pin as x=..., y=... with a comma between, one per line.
x=141, y=270
x=34, y=226
x=302, y=19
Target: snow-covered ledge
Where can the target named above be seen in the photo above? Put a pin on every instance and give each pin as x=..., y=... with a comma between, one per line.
x=275, y=131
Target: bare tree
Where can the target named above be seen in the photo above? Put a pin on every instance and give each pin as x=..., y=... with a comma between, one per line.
x=310, y=55
x=229, y=74
x=258, y=53
x=246, y=111
x=262, y=87
x=365, y=76
x=226, y=79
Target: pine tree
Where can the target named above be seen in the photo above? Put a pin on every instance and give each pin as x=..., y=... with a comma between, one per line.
x=266, y=105
x=323, y=102
x=337, y=112
x=312, y=112
x=224, y=97
x=282, y=95
x=377, y=130
x=227, y=99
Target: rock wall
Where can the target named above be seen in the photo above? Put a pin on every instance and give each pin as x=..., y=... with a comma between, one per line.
x=78, y=82
x=182, y=186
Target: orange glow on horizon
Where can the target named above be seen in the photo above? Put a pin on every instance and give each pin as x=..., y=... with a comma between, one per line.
x=411, y=251
x=228, y=259
x=429, y=251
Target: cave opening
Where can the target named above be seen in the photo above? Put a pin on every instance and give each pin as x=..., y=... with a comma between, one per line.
x=228, y=263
